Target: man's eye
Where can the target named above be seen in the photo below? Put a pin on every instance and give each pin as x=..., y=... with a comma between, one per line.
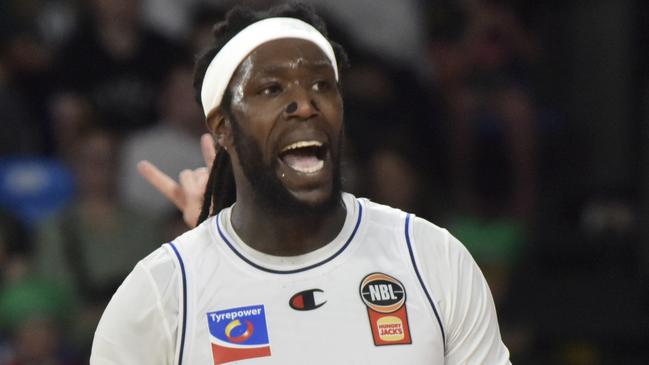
x=270, y=90
x=320, y=85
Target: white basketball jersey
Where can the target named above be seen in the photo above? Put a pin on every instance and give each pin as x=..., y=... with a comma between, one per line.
x=359, y=300
x=389, y=288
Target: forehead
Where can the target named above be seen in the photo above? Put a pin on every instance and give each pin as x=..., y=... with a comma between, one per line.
x=285, y=55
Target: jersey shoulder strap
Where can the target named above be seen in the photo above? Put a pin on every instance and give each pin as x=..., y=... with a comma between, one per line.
x=410, y=244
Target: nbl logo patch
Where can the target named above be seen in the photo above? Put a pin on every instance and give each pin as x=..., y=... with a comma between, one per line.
x=385, y=298
x=238, y=333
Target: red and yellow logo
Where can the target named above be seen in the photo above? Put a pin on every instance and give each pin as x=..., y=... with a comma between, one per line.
x=385, y=298
x=240, y=337
x=390, y=329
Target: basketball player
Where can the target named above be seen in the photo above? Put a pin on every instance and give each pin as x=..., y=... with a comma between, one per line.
x=293, y=271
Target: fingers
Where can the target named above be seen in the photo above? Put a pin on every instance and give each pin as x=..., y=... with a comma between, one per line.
x=188, y=182
x=200, y=178
x=208, y=149
x=187, y=195
x=193, y=184
x=162, y=182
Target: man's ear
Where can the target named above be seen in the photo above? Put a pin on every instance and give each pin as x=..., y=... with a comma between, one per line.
x=220, y=128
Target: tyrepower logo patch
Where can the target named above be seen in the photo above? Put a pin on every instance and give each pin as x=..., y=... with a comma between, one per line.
x=385, y=298
x=238, y=333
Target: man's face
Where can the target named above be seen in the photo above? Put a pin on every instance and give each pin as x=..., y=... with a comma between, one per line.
x=286, y=117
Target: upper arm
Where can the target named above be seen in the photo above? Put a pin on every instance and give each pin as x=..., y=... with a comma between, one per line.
x=135, y=328
x=466, y=305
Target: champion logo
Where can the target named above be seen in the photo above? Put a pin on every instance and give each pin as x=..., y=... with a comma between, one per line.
x=307, y=300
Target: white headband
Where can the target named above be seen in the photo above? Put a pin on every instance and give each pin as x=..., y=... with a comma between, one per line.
x=220, y=71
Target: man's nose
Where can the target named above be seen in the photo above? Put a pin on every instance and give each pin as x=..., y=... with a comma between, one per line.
x=302, y=106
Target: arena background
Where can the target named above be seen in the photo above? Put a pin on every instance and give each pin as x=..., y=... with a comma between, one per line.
x=521, y=126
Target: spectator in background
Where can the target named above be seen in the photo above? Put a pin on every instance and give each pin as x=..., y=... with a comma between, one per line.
x=494, y=117
x=18, y=133
x=370, y=95
x=172, y=144
x=118, y=63
x=26, y=62
x=70, y=114
x=481, y=61
x=394, y=180
x=202, y=25
x=95, y=241
x=92, y=245
x=481, y=103
x=386, y=103
x=15, y=249
x=480, y=72
x=170, y=17
x=366, y=20
x=34, y=312
x=481, y=69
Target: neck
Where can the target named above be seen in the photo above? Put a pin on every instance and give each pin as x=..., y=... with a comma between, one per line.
x=286, y=234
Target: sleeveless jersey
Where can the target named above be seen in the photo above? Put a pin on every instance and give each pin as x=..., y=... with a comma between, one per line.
x=389, y=288
x=359, y=300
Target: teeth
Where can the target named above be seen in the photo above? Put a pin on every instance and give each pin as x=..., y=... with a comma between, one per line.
x=309, y=170
x=305, y=164
x=301, y=144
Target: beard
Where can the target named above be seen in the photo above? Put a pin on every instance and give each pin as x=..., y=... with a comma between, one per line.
x=269, y=191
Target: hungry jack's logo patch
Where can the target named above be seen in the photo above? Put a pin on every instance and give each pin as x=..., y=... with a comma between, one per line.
x=238, y=333
x=385, y=298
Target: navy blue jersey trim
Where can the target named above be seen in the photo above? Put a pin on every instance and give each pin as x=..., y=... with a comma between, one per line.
x=257, y=266
x=184, y=329
x=421, y=281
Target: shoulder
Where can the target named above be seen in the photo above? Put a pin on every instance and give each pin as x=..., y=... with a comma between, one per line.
x=143, y=310
x=427, y=240
x=379, y=215
x=196, y=239
x=434, y=239
x=160, y=265
x=462, y=295
x=415, y=229
x=157, y=275
x=443, y=262
x=443, y=258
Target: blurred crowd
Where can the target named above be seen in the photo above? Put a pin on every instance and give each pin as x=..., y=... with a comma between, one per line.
x=449, y=114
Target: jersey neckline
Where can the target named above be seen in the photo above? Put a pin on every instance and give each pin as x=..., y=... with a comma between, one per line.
x=292, y=264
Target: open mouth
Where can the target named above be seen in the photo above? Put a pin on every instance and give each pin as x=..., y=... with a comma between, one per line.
x=305, y=157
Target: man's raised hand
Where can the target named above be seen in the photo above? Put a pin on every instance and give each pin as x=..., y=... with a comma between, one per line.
x=187, y=193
